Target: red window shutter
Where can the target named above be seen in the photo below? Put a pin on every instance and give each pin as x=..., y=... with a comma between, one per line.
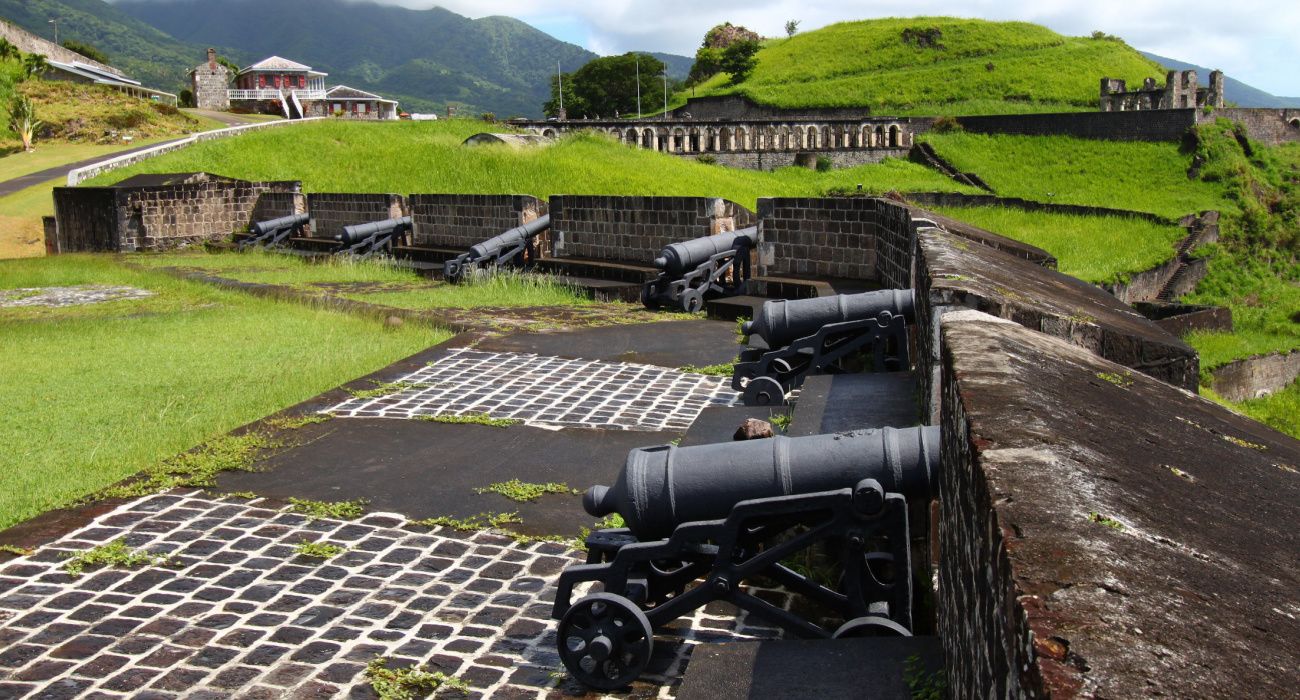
x=302, y=81
x=261, y=81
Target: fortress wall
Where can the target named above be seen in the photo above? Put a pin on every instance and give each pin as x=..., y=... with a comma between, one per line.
x=330, y=212
x=459, y=221
x=30, y=43
x=634, y=229
x=1150, y=125
x=808, y=237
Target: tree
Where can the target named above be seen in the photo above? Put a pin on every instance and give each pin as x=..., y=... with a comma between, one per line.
x=8, y=51
x=726, y=34
x=34, y=65
x=738, y=60
x=608, y=85
x=185, y=97
x=572, y=105
x=708, y=61
x=86, y=50
x=230, y=65
x=22, y=119
x=791, y=27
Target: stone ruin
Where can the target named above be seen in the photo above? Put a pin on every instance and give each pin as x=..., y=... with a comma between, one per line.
x=1180, y=91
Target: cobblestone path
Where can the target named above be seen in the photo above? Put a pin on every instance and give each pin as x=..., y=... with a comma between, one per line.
x=236, y=613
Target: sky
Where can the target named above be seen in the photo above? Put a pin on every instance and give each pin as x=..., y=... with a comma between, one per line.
x=1255, y=41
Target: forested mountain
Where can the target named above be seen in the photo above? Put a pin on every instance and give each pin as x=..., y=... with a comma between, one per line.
x=1234, y=90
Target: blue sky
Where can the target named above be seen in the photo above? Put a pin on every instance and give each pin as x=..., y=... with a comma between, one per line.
x=1255, y=41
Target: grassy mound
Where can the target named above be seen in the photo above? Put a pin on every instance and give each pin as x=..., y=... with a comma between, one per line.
x=412, y=157
x=936, y=65
x=98, y=114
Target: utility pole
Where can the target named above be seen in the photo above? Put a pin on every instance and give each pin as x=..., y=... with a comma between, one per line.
x=559, y=77
x=665, y=74
x=638, y=86
x=55, y=22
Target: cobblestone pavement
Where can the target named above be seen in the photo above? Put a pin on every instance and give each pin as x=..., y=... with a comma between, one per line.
x=549, y=391
x=68, y=296
x=236, y=613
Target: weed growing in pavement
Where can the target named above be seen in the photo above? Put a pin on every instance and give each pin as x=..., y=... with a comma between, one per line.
x=471, y=419
x=523, y=491
x=318, y=550
x=408, y=683
x=314, y=510
x=114, y=554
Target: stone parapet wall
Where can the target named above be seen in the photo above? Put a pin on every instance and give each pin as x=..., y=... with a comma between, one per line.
x=810, y=237
x=30, y=43
x=1152, y=125
x=273, y=205
x=331, y=211
x=635, y=229
x=1271, y=126
x=1094, y=522
x=458, y=221
x=1256, y=376
x=771, y=160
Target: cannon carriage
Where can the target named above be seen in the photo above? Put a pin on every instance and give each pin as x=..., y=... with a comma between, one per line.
x=514, y=248
x=691, y=270
x=273, y=232
x=806, y=336
x=376, y=237
x=703, y=522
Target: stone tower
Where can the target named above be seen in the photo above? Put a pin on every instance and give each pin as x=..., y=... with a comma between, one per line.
x=210, y=83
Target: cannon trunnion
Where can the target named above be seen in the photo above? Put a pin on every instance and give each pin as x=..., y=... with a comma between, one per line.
x=273, y=232
x=805, y=336
x=514, y=248
x=692, y=269
x=704, y=520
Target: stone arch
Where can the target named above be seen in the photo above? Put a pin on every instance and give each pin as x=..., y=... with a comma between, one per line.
x=648, y=138
x=864, y=136
x=632, y=137
x=724, y=139
x=1294, y=123
x=678, y=140
x=824, y=141
x=782, y=138
x=549, y=133
x=742, y=138
x=664, y=139
x=694, y=140
x=895, y=136
x=880, y=136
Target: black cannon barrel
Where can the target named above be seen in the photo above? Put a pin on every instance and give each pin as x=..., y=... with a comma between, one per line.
x=360, y=232
x=261, y=228
x=781, y=322
x=510, y=238
x=663, y=487
x=677, y=258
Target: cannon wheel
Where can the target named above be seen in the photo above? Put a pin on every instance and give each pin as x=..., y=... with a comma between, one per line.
x=605, y=641
x=692, y=301
x=452, y=271
x=870, y=626
x=764, y=391
x=650, y=297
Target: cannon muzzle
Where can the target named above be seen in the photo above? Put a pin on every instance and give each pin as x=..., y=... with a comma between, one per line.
x=677, y=258
x=509, y=239
x=357, y=233
x=663, y=487
x=261, y=228
x=781, y=322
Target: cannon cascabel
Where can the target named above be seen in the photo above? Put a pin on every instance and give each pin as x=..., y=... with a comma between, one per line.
x=663, y=487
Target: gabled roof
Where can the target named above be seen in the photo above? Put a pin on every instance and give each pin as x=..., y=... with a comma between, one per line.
x=343, y=92
x=95, y=74
x=277, y=63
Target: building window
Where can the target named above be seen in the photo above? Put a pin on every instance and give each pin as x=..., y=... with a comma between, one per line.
x=261, y=81
x=302, y=81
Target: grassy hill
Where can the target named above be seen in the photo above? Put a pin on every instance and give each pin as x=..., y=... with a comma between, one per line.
x=958, y=66
x=426, y=58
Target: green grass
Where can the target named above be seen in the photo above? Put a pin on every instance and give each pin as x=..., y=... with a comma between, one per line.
x=341, y=510
x=867, y=64
x=114, y=554
x=420, y=157
x=318, y=550
x=96, y=393
x=1280, y=410
x=1265, y=301
x=49, y=155
x=1092, y=248
x=1138, y=176
x=522, y=491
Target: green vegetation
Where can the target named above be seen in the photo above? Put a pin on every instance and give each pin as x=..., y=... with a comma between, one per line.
x=523, y=492
x=318, y=550
x=114, y=554
x=781, y=421
x=428, y=157
x=16, y=550
x=1100, y=519
x=384, y=389
x=99, y=392
x=922, y=684
x=472, y=419
x=1134, y=175
x=482, y=521
x=1122, y=380
x=1280, y=410
x=723, y=370
x=74, y=112
x=1092, y=248
x=408, y=683
x=607, y=86
x=87, y=50
x=196, y=468
x=340, y=510
x=935, y=65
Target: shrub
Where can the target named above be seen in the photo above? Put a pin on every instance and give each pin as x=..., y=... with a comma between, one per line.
x=488, y=117
x=824, y=164
x=164, y=108
x=707, y=159
x=946, y=125
x=127, y=120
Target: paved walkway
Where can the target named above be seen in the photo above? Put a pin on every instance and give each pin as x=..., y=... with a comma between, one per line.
x=235, y=612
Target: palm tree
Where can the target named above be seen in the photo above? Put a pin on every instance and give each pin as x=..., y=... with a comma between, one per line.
x=34, y=65
x=7, y=50
x=22, y=119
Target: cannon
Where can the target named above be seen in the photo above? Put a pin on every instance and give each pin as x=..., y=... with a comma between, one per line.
x=804, y=336
x=691, y=269
x=514, y=247
x=364, y=240
x=703, y=521
x=273, y=232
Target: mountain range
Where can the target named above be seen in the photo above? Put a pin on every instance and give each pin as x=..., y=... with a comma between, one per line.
x=1234, y=90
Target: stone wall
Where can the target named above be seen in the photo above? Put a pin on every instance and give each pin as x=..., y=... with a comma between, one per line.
x=1266, y=125
x=1158, y=125
x=635, y=229
x=330, y=211
x=210, y=83
x=771, y=160
x=147, y=218
x=30, y=43
x=805, y=237
x=1095, y=522
x=741, y=107
x=1256, y=376
x=458, y=221
x=273, y=205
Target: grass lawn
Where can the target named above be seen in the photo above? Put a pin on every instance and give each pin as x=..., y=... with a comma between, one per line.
x=376, y=282
x=1093, y=248
x=1265, y=303
x=427, y=157
x=52, y=154
x=969, y=67
x=98, y=392
x=1139, y=176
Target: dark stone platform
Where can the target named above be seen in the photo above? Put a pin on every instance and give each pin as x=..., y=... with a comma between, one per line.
x=1105, y=534
x=830, y=669
x=667, y=343
x=831, y=403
